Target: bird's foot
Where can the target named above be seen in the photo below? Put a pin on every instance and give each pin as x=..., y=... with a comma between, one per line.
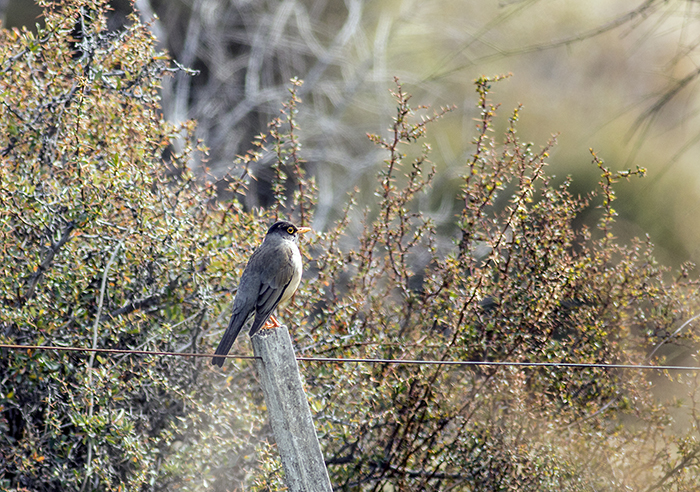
x=271, y=323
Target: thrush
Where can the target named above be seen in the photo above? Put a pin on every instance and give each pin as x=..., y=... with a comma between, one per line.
x=271, y=276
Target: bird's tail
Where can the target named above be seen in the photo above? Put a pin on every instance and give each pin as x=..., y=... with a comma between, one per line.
x=234, y=328
x=257, y=323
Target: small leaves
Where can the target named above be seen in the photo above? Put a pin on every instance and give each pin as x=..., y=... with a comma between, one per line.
x=82, y=173
x=525, y=283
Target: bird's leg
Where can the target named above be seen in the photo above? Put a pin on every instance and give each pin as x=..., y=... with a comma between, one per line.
x=271, y=323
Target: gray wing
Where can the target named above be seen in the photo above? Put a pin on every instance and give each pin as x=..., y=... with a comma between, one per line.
x=277, y=274
x=243, y=306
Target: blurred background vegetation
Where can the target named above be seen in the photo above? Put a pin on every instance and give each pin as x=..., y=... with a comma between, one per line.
x=618, y=76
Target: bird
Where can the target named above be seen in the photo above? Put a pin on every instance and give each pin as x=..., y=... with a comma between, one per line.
x=271, y=276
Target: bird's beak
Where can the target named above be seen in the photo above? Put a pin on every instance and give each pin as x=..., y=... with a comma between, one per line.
x=303, y=230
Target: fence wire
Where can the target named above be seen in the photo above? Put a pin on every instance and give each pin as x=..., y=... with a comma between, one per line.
x=343, y=360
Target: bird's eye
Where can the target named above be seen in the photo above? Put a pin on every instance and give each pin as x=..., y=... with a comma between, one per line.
x=290, y=230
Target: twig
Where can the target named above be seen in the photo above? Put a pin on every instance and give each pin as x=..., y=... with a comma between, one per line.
x=55, y=247
x=103, y=287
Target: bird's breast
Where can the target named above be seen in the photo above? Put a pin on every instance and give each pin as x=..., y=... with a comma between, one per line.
x=295, y=258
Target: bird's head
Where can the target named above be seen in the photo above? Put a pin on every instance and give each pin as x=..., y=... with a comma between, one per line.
x=286, y=230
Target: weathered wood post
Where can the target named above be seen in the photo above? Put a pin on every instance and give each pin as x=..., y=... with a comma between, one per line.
x=289, y=412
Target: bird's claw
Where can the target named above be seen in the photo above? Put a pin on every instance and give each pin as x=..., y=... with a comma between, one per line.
x=271, y=324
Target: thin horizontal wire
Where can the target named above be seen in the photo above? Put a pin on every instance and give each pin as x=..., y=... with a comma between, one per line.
x=343, y=360
x=119, y=351
x=497, y=363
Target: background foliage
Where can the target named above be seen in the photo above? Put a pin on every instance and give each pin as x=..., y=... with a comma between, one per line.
x=109, y=241
x=615, y=75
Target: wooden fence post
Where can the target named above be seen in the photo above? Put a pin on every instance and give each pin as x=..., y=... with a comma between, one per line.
x=289, y=412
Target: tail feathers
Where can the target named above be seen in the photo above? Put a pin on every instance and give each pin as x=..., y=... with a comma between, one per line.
x=258, y=323
x=234, y=328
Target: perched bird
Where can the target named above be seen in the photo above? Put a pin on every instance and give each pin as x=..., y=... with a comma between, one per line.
x=271, y=276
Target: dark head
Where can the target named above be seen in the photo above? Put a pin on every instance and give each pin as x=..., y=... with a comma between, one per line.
x=286, y=230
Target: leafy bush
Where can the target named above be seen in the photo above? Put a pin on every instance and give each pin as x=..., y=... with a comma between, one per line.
x=109, y=242
x=521, y=284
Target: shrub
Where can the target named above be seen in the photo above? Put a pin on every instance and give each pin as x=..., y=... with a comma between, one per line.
x=108, y=241
x=521, y=283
